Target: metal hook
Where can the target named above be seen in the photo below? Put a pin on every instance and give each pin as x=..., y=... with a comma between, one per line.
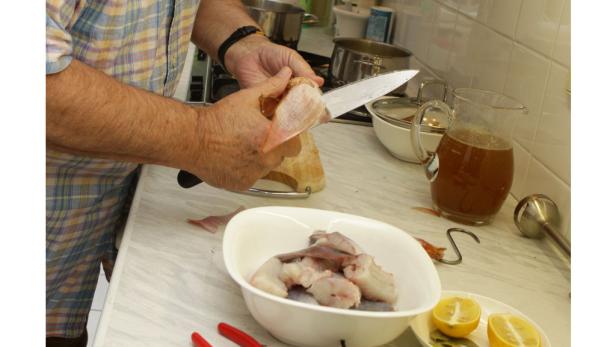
x=455, y=247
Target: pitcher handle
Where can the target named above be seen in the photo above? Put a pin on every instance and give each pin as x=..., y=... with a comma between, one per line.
x=424, y=157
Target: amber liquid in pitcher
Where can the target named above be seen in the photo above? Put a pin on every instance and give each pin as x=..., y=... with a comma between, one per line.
x=474, y=176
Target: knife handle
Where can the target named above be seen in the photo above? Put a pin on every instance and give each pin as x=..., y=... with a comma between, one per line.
x=187, y=180
x=236, y=335
x=198, y=340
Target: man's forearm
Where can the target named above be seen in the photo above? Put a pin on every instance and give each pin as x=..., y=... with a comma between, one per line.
x=91, y=113
x=216, y=20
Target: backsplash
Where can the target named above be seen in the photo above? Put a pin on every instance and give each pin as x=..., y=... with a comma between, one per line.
x=517, y=47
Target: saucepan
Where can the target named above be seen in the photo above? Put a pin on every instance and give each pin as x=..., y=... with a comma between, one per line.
x=281, y=22
x=354, y=59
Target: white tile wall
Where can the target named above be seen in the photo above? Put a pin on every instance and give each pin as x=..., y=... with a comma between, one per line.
x=538, y=24
x=554, y=130
x=562, y=46
x=441, y=39
x=526, y=82
x=490, y=53
x=501, y=15
x=518, y=47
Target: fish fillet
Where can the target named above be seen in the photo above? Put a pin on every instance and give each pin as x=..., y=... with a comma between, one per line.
x=374, y=282
x=335, y=291
x=303, y=273
x=266, y=278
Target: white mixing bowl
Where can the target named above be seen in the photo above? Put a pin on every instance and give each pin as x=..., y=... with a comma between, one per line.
x=255, y=235
x=397, y=139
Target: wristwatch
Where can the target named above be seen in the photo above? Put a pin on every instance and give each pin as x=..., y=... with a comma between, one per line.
x=237, y=35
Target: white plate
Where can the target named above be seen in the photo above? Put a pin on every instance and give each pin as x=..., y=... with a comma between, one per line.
x=422, y=324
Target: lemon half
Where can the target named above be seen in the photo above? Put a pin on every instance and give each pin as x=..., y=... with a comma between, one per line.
x=508, y=330
x=456, y=316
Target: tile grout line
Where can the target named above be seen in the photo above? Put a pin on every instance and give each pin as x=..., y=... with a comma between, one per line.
x=498, y=32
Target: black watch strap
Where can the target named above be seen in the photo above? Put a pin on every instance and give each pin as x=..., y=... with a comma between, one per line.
x=233, y=38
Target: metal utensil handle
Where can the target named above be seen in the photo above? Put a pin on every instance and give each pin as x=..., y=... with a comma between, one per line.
x=277, y=194
x=564, y=245
x=309, y=18
x=188, y=180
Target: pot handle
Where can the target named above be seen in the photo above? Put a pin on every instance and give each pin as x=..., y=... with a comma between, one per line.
x=309, y=18
x=429, y=160
x=375, y=66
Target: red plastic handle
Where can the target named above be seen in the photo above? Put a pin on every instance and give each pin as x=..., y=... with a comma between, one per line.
x=236, y=335
x=199, y=341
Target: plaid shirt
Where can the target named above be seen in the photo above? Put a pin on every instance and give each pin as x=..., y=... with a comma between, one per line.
x=139, y=42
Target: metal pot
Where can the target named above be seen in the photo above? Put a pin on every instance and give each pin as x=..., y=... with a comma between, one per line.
x=281, y=22
x=354, y=59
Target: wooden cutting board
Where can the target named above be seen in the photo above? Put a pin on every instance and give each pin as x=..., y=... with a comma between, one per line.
x=302, y=171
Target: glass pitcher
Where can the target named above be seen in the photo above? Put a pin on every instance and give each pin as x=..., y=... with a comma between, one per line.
x=472, y=169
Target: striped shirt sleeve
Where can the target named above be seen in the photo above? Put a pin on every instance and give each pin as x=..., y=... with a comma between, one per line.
x=58, y=39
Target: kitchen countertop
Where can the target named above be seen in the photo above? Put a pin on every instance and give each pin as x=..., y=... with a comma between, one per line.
x=170, y=278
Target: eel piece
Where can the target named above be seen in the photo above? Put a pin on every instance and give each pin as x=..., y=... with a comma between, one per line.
x=375, y=283
x=266, y=278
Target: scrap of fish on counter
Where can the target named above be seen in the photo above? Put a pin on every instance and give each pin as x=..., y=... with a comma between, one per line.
x=288, y=111
x=212, y=223
x=332, y=271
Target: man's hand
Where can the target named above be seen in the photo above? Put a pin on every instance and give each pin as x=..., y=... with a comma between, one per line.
x=234, y=131
x=253, y=59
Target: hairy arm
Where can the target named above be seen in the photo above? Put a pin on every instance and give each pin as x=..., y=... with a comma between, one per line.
x=216, y=21
x=252, y=59
x=91, y=113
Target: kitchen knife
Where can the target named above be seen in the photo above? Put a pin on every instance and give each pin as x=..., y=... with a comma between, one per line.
x=340, y=101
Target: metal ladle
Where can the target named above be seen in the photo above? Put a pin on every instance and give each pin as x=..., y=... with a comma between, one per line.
x=537, y=215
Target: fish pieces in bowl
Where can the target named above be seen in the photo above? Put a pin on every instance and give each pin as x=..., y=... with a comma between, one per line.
x=256, y=236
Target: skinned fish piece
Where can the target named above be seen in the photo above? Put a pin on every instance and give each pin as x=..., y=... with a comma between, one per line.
x=266, y=278
x=321, y=264
x=375, y=283
x=299, y=109
x=335, y=291
x=335, y=240
x=303, y=273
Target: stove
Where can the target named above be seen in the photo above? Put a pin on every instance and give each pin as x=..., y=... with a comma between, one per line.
x=210, y=83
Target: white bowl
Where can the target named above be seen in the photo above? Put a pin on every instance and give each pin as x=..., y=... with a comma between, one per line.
x=255, y=235
x=397, y=139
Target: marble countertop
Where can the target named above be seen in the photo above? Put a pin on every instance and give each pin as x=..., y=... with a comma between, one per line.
x=170, y=278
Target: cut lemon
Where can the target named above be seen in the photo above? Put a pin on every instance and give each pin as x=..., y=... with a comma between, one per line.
x=507, y=330
x=456, y=316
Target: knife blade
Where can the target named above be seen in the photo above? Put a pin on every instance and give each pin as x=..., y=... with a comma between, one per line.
x=350, y=96
x=339, y=101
